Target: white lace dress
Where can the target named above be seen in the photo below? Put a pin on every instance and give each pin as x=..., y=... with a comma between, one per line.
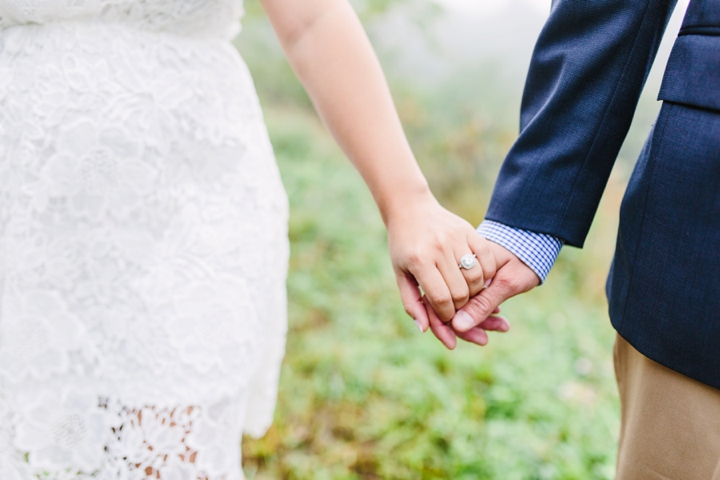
x=143, y=245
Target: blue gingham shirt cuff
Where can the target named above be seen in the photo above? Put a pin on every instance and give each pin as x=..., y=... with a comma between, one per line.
x=537, y=250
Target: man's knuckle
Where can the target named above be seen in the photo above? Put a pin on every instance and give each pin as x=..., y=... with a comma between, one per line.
x=516, y=285
x=507, y=284
x=482, y=305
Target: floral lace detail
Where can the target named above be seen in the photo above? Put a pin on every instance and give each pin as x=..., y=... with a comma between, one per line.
x=79, y=433
x=143, y=243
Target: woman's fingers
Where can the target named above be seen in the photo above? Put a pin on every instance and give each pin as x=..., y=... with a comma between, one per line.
x=454, y=280
x=486, y=266
x=437, y=291
x=447, y=287
x=412, y=299
x=443, y=332
x=474, y=276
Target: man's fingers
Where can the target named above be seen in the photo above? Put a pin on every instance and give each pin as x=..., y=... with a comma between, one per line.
x=478, y=335
x=475, y=335
x=481, y=306
x=442, y=331
x=513, y=277
x=412, y=300
x=495, y=324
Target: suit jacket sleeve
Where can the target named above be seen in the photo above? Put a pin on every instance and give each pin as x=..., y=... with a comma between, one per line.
x=586, y=74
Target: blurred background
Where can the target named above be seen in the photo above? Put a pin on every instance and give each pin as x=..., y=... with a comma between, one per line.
x=363, y=394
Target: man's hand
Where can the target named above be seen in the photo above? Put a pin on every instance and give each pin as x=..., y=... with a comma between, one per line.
x=477, y=335
x=512, y=278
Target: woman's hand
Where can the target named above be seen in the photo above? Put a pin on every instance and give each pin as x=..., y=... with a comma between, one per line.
x=333, y=58
x=426, y=244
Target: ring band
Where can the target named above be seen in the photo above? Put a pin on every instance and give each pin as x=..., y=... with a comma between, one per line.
x=468, y=261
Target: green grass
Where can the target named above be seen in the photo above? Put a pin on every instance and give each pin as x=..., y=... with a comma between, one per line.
x=364, y=395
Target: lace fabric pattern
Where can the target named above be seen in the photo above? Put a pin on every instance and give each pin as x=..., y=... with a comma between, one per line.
x=143, y=242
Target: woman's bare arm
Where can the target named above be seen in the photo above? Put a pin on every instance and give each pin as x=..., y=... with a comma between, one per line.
x=327, y=47
x=330, y=53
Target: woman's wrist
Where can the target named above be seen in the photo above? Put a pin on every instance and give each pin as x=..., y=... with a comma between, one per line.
x=403, y=201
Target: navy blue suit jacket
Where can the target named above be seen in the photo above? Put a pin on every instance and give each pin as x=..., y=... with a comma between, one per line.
x=586, y=74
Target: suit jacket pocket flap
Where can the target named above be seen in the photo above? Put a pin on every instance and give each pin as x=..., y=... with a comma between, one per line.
x=692, y=76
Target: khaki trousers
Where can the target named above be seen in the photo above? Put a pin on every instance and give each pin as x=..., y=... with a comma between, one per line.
x=670, y=426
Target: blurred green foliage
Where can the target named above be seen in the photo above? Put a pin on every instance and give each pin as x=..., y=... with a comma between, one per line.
x=363, y=394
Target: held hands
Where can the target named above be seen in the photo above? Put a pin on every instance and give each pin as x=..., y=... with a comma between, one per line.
x=336, y=64
x=426, y=244
x=512, y=278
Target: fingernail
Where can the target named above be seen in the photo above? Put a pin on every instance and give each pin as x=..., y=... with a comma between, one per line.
x=488, y=282
x=418, y=325
x=463, y=321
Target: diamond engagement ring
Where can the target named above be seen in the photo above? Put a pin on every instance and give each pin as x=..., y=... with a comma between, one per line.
x=468, y=261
